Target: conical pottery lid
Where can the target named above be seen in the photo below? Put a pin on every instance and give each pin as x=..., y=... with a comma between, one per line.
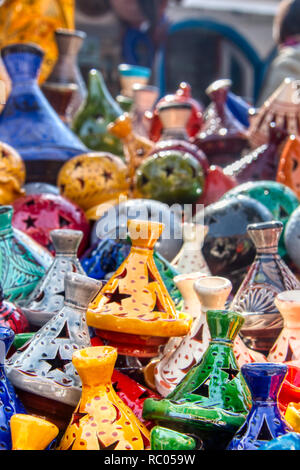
x=101, y=420
x=43, y=365
x=48, y=297
x=282, y=108
x=135, y=299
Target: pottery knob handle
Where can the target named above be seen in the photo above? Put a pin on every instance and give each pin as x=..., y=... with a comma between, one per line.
x=265, y=235
x=6, y=338
x=174, y=115
x=264, y=379
x=80, y=290
x=224, y=324
x=17, y=67
x=66, y=241
x=69, y=42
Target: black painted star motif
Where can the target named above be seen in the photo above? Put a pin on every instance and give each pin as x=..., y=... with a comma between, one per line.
x=77, y=417
x=116, y=296
x=102, y=446
x=107, y=175
x=232, y=373
x=57, y=362
x=30, y=222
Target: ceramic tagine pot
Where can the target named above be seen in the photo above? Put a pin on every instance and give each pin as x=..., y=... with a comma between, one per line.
x=261, y=163
x=42, y=369
x=101, y=421
x=134, y=311
x=93, y=116
x=267, y=277
x=227, y=247
x=287, y=345
x=182, y=95
x=278, y=198
x=113, y=223
x=38, y=214
x=222, y=137
x=12, y=174
x=144, y=98
x=31, y=432
x=28, y=122
x=129, y=76
x=11, y=316
x=291, y=237
x=288, y=168
x=212, y=400
x=264, y=421
x=65, y=88
x=211, y=293
x=281, y=108
x=94, y=182
x=190, y=257
x=104, y=258
x=47, y=299
x=9, y=402
x=19, y=269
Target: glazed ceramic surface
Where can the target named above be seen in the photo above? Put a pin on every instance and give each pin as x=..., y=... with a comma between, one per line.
x=267, y=277
x=190, y=258
x=38, y=214
x=48, y=297
x=104, y=258
x=278, y=198
x=31, y=433
x=227, y=248
x=222, y=137
x=287, y=345
x=292, y=416
x=101, y=421
x=136, y=147
x=113, y=223
x=288, y=169
x=264, y=422
x=182, y=95
x=95, y=113
x=19, y=270
x=11, y=316
x=135, y=300
x=290, y=390
x=12, y=174
x=144, y=98
x=9, y=402
x=290, y=441
x=93, y=179
x=28, y=122
x=43, y=366
x=291, y=237
x=40, y=188
x=167, y=439
x=261, y=163
x=66, y=73
x=180, y=355
x=281, y=108
x=212, y=399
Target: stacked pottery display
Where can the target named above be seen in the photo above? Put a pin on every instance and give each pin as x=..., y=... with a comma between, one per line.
x=267, y=277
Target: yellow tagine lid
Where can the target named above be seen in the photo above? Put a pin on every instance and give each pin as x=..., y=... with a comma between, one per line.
x=135, y=299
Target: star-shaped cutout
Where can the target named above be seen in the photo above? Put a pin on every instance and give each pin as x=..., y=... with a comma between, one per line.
x=64, y=332
x=116, y=296
x=57, y=362
x=107, y=175
x=77, y=417
x=203, y=389
x=102, y=446
x=63, y=222
x=30, y=222
x=77, y=165
x=232, y=373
